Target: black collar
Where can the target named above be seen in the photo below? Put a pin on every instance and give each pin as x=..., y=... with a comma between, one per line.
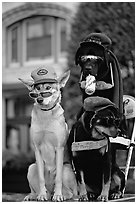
x=57, y=100
x=49, y=108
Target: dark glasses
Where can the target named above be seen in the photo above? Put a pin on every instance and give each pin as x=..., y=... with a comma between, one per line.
x=84, y=58
x=36, y=95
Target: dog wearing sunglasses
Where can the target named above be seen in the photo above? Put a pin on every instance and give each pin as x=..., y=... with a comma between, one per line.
x=93, y=58
x=90, y=148
x=51, y=177
x=93, y=68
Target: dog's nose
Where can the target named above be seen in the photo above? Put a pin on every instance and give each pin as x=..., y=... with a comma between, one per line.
x=40, y=100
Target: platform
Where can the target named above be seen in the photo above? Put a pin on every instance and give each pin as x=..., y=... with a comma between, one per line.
x=18, y=197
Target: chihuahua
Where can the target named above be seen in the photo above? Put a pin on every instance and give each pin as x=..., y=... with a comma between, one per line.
x=51, y=177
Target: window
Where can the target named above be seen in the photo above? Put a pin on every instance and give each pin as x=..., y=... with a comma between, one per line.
x=36, y=38
x=14, y=40
x=63, y=35
x=18, y=113
x=39, y=38
x=13, y=44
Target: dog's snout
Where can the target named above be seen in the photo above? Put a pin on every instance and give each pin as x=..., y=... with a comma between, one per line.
x=40, y=100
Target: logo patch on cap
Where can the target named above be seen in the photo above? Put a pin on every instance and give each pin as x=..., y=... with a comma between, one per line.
x=42, y=72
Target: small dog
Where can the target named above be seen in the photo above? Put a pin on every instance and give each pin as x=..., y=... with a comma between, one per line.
x=91, y=149
x=52, y=175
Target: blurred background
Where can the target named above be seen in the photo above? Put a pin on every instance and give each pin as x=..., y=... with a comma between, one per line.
x=48, y=34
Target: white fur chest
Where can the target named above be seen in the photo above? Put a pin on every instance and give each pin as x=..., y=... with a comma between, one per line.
x=45, y=120
x=48, y=127
x=48, y=131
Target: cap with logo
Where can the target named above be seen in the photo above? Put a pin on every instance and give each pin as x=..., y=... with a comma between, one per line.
x=42, y=75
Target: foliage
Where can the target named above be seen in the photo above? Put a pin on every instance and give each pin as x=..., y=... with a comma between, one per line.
x=115, y=19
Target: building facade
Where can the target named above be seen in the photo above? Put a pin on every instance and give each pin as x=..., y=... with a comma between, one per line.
x=33, y=35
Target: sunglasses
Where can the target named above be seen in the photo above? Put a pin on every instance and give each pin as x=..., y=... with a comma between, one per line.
x=84, y=58
x=106, y=121
x=36, y=95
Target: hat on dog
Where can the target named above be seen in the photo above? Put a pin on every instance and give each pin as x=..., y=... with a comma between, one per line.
x=96, y=44
x=98, y=41
x=42, y=75
x=97, y=38
x=96, y=103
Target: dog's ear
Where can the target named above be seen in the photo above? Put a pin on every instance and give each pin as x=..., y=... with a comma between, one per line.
x=28, y=84
x=64, y=78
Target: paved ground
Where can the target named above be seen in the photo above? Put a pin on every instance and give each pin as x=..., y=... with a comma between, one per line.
x=13, y=197
x=17, y=197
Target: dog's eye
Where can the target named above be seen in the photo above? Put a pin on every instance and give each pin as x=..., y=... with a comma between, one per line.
x=98, y=121
x=48, y=87
x=38, y=87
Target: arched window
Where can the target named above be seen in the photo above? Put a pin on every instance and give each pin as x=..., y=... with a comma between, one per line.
x=14, y=42
x=36, y=38
x=39, y=37
x=63, y=35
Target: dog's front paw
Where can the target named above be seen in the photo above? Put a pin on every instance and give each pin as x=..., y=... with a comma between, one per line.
x=92, y=196
x=103, y=198
x=30, y=197
x=116, y=195
x=83, y=197
x=58, y=198
x=42, y=197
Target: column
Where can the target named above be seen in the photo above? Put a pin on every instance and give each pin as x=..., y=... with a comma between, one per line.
x=3, y=123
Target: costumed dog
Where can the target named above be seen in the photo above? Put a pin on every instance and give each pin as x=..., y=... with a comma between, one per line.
x=90, y=145
x=52, y=175
x=100, y=72
x=100, y=76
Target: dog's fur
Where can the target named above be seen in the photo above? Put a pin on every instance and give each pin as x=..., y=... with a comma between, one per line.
x=94, y=168
x=103, y=89
x=51, y=177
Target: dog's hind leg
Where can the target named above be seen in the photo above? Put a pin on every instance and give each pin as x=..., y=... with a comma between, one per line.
x=69, y=183
x=33, y=180
x=32, y=177
x=117, y=185
x=33, y=183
